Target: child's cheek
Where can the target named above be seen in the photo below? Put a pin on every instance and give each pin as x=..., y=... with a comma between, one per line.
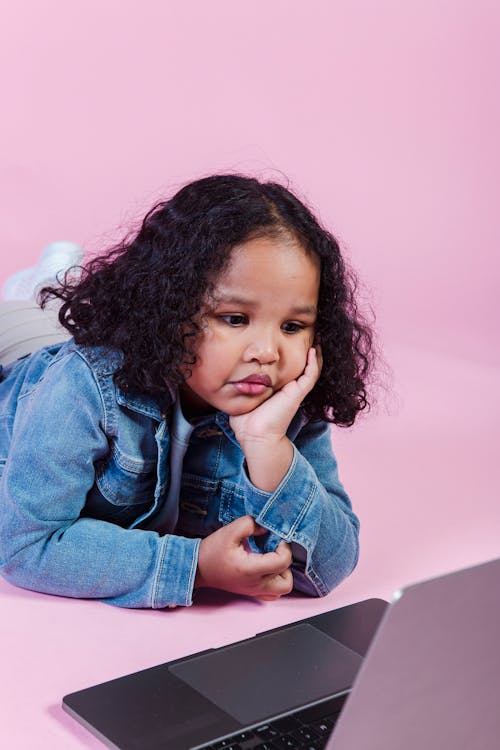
x=308, y=344
x=302, y=359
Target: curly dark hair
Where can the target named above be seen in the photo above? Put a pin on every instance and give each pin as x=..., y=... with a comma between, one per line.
x=142, y=297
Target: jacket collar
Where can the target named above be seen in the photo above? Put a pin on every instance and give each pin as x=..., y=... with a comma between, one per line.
x=105, y=362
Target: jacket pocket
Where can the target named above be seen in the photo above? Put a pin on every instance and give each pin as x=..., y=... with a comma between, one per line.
x=123, y=480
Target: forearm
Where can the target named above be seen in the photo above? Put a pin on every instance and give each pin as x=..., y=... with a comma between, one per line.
x=268, y=462
x=312, y=515
x=320, y=567
x=317, y=519
x=95, y=559
x=46, y=542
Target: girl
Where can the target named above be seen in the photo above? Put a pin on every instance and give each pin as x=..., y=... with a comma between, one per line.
x=181, y=438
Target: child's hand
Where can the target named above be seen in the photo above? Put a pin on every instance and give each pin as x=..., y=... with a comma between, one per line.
x=261, y=433
x=271, y=419
x=224, y=563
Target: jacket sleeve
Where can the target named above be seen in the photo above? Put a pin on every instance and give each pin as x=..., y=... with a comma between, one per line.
x=309, y=509
x=58, y=436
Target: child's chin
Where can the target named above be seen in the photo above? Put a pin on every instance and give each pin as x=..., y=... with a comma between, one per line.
x=237, y=411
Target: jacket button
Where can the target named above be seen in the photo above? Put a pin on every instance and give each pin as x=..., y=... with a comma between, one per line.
x=184, y=505
x=209, y=432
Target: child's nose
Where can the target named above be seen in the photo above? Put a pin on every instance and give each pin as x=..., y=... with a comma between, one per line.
x=262, y=349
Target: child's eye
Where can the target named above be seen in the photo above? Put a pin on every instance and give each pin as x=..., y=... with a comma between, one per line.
x=233, y=320
x=291, y=327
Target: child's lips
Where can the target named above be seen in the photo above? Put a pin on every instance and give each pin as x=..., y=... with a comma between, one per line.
x=257, y=377
x=253, y=385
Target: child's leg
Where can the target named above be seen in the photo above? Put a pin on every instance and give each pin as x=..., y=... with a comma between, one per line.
x=24, y=328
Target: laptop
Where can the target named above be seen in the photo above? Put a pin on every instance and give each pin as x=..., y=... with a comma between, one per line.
x=421, y=672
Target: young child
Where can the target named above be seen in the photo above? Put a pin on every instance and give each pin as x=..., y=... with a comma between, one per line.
x=181, y=438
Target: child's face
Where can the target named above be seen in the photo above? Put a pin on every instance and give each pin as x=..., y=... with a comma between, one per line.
x=262, y=324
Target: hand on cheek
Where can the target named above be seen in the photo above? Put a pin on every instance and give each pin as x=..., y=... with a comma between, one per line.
x=261, y=433
x=271, y=419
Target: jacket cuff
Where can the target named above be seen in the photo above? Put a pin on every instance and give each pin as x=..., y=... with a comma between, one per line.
x=281, y=511
x=174, y=580
x=287, y=505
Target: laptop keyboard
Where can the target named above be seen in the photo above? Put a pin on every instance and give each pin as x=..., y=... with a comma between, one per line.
x=308, y=728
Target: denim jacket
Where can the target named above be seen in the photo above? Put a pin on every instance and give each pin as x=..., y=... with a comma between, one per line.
x=84, y=469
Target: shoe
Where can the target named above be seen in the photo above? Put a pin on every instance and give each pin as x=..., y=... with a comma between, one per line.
x=56, y=259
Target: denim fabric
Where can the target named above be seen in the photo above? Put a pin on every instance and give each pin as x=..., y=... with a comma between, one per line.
x=84, y=469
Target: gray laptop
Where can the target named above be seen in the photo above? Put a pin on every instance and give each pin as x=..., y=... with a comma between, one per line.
x=429, y=679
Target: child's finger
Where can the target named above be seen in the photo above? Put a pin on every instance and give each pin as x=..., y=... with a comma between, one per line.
x=271, y=563
x=268, y=597
x=243, y=527
x=286, y=561
x=284, y=551
x=308, y=379
x=280, y=584
x=319, y=355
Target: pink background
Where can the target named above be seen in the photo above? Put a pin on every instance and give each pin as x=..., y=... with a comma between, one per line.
x=385, y=116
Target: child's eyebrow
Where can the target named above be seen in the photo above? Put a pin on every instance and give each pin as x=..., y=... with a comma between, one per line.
x=243, y=302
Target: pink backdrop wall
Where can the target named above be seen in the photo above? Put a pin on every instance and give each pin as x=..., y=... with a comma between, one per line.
x=384, y=114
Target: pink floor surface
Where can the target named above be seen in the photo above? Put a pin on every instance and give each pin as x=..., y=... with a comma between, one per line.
x=423, y=474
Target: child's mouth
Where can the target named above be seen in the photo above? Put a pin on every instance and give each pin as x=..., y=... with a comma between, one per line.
x=253, y=385
x=250, y=388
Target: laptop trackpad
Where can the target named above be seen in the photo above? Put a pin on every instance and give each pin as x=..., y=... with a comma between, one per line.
x=273, y=673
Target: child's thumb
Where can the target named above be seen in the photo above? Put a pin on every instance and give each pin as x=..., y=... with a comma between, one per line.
x=246, y=526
